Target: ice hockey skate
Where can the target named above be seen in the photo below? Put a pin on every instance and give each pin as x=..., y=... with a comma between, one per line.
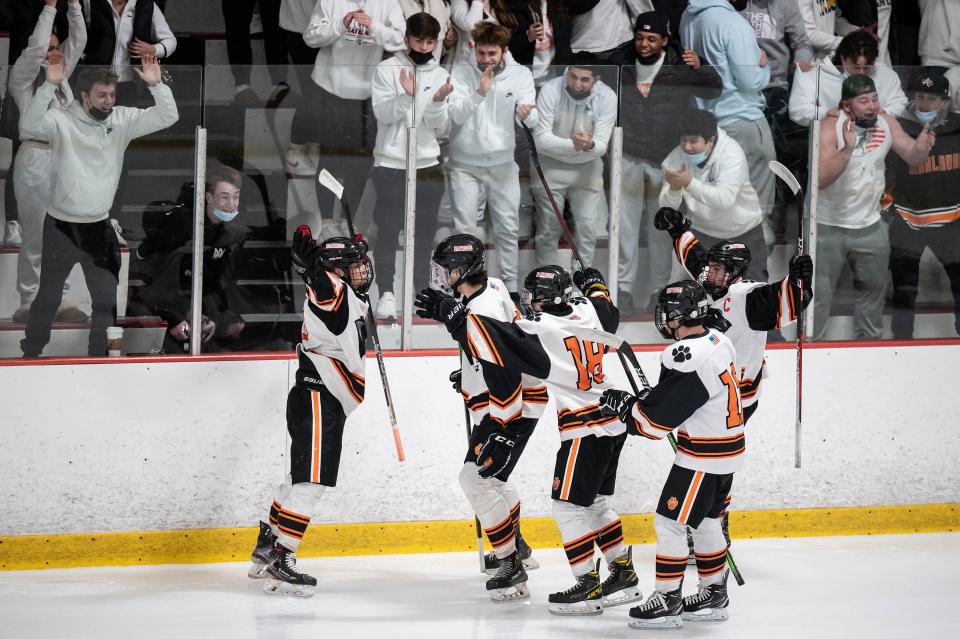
x=620, y=586
x=492, y=563
x=661, y=611
x=510, y=582
x=583, y=598
x=284, y=578
x=709, y=604
x=260, y=556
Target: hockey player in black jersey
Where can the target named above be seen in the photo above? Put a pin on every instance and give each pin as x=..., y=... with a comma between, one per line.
x=459, y=268
x=554, y=346
x=698, y=395
x=329, y=386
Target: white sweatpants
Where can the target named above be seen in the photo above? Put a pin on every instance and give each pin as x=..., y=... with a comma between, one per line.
x=639, y=203
x=503, y=202
x=582, y=184
x=32, y=184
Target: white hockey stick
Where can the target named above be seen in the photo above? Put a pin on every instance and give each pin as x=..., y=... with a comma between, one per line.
x=793, y=184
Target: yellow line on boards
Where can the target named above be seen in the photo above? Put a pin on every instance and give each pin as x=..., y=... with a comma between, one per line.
x=210, y=545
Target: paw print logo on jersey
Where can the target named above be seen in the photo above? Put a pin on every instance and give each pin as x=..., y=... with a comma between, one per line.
x=556, y=483
x=672, y=503
x=681, y=354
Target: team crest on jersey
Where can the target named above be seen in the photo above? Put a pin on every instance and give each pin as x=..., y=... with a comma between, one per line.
x=672, y=503
x=681, y=354
x=556, y=483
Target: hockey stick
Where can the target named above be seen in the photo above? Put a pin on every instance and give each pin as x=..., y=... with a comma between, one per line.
x=625, y=353
x=476, y=520
x=791, y=181
x=330, y=183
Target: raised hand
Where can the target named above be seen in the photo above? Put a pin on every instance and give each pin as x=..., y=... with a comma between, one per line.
x=524, y=110
x=149, y=70
x=408, y=82
x=363, y=18
x=305, y=253
x=139, y=49
x=348, y=19
x=56, y=73
x=672, y=221
x=849, y=134
x=445, y=90
x=691, y=59
x=679, y=179
x=535, y=32
x=486, y=81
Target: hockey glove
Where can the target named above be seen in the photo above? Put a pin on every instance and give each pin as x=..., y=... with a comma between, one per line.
x=671, y=221
x=305, y=253
x=455, y=380
x=801, y=271
x=432, y=304
x=716, y=320
x=496, y=453
x=619, y=403
x=589, y=280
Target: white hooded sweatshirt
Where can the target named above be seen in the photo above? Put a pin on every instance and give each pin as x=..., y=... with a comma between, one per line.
x=720, y=199
x=483, y=132
x=560, y=116
x=805, y=107
x=940, y=33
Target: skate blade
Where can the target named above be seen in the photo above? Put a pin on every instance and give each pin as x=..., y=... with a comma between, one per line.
x=710, y=614
x=663, y=623
x=581, y=608
x=513, y=593
x=284, y=589
x=625, y=596
x=257, y=571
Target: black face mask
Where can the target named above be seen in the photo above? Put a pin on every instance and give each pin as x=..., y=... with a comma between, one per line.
x=577, y=95
x=647, y=60
x=99, y=114
x=497, y=68
x=739, y=5
x=866, y=123
x=419, y=58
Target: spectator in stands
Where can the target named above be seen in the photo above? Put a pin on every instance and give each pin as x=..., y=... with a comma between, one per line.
x=873, y=17
x=816, y=93
x=853, y=147
x=32, y=171
x=542, y=35
x=352, y=37
x=708, y=172
x=601, y=30
x=720, y=36
x=488, y=95
x=825, y=26
x=940, y=33
x=577, y=113
x=398, y=105
x=237, y=15
x=87, y=142
x=926, y=199
x=661, y=83
x=440, y=10
x=121, y=32
x=467, y=14
x=165, y=260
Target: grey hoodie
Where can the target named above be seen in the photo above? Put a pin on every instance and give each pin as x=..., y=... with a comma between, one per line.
x=772, y=21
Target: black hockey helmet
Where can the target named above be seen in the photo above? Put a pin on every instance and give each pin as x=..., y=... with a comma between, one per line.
x=550, y=286
x=348, y=259
x=727, y=262
x=455, y=259
x=685, y=301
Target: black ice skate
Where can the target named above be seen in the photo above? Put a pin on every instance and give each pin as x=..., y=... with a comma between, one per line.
x=260, y=556
x=584, y=598
x=510, y=582
x=285, y=579
x=620, y=587
x=491, y=563
x=709, y=604
x=662, y=610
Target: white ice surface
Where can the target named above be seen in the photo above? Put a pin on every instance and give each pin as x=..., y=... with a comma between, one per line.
x=882, y=586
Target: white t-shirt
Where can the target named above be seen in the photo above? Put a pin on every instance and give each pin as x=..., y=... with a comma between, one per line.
x=606, y=26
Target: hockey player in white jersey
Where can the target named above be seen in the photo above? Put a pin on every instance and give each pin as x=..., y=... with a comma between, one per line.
x=550, y=345
x=329, y=386
x=459, y=268
x=698, y=395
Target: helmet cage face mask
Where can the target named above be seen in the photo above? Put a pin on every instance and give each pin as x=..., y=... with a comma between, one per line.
x=359, y=275
x=727, y=261
x=716, y=278
x=443, y=279
x=546, y=287
x=679, y=302
x=348, y=259
x=455, y=259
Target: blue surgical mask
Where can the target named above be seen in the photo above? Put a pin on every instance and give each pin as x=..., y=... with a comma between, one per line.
x=926, y=117
x=223, y=216
x=696, y=159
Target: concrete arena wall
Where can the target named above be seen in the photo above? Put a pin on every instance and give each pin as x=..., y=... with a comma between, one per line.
x=180, y=445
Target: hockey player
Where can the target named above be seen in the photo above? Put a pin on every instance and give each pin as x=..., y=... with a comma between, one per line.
x=548, y=345
x=698, y=394
x=329, y=386
x=459, y=268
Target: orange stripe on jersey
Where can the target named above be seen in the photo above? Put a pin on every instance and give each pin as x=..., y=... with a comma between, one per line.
x=666, y=429
x=568, y=473
x=929, y=218
x=691, y=497
x=791, y=304
x=686, y=250
x=315, y=460
x=488, y=342
x=349, y=379
x=509, y=400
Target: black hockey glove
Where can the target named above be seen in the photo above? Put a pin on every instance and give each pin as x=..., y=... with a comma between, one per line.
x=619, y=403
x=455, y=380
x=801, y=271
x=496, y=453
x=305, y=253
x=432, y=304
x=716, y=320
x=589, y=280
x=671, y=221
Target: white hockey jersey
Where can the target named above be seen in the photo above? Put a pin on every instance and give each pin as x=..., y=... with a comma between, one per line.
x=550, y=348
x=332, y=349
x=752, y=308
x=697, y=394
x=494, y=301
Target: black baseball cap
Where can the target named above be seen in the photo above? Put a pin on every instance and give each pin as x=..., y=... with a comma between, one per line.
x=653, y=22
x=930, y=80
